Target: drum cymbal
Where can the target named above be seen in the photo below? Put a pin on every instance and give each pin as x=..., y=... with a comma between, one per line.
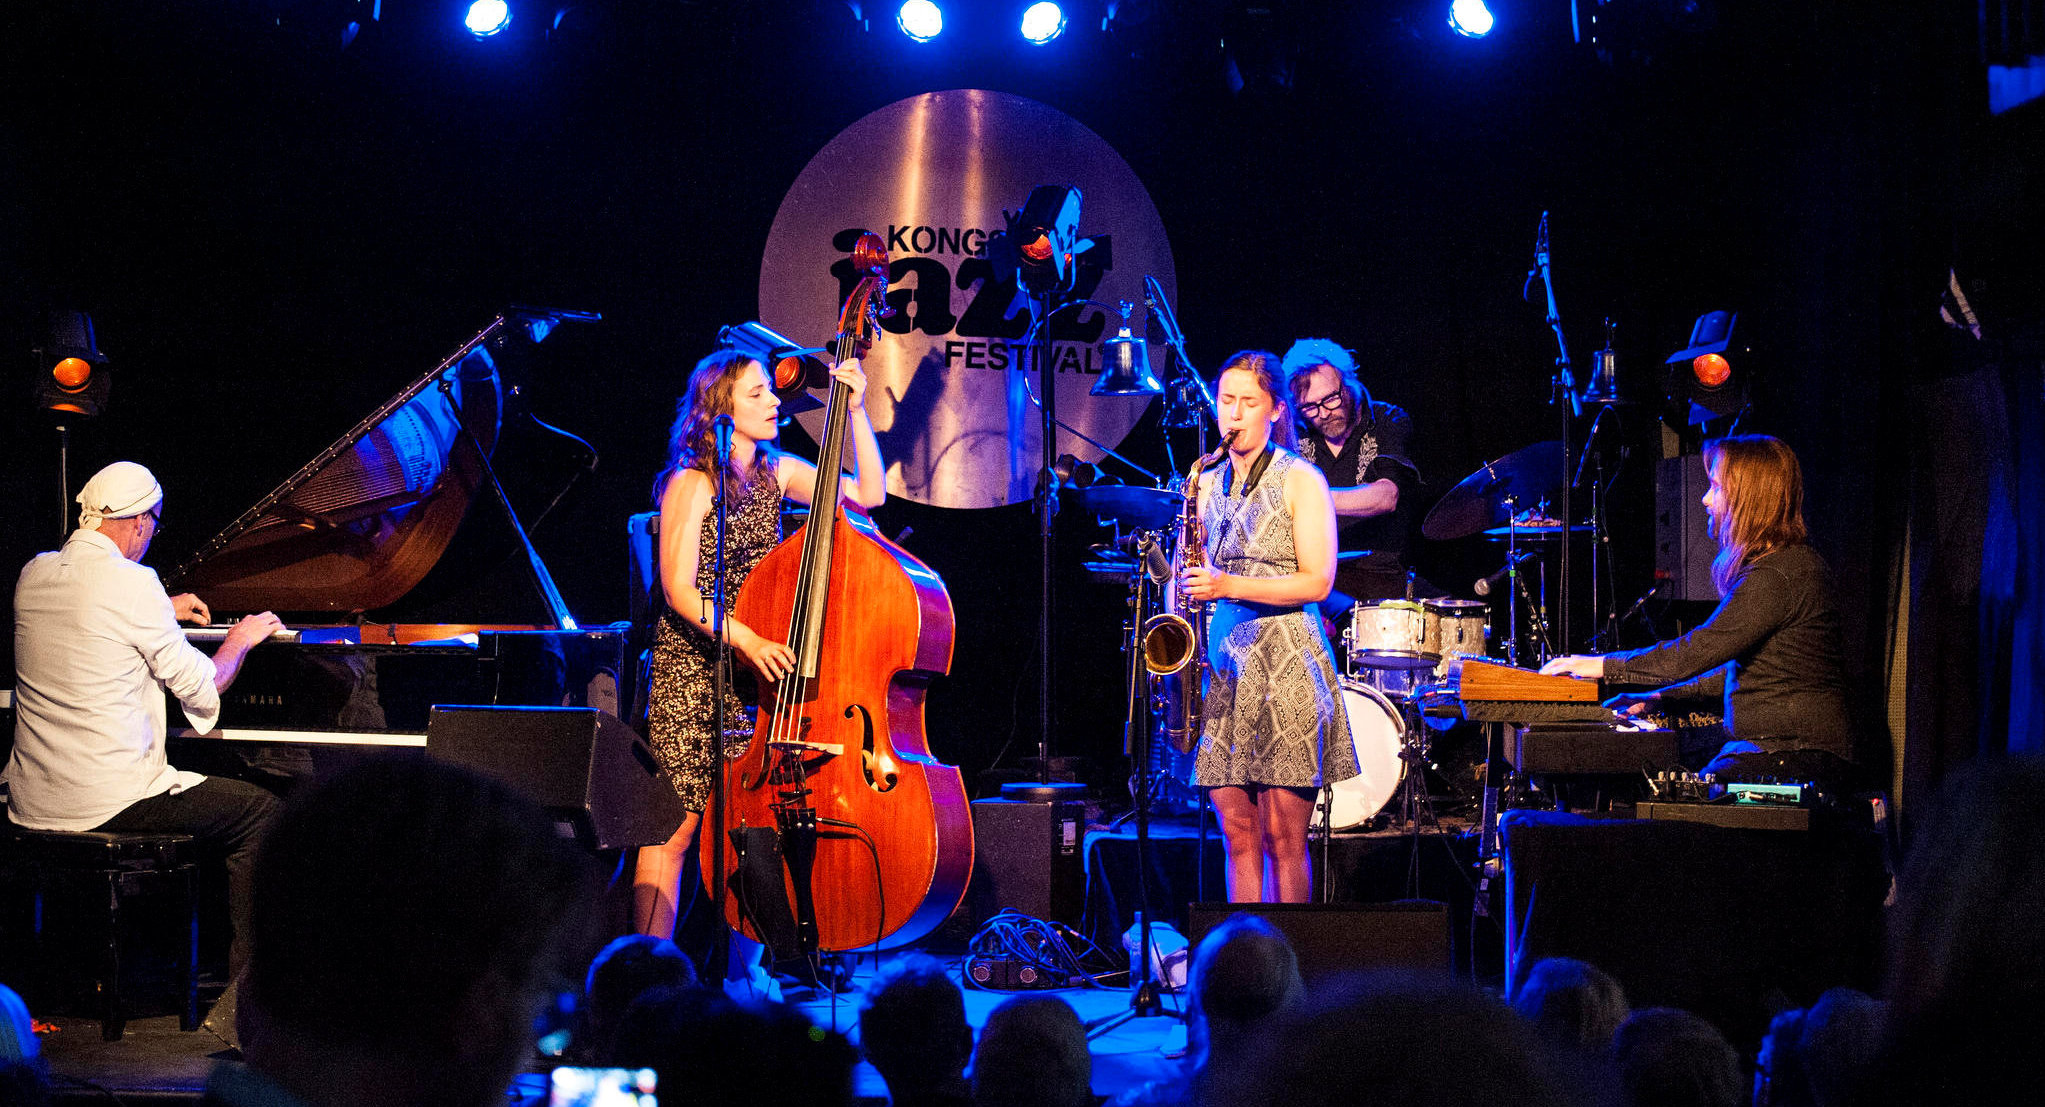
x=1133, y=506
x=1479, y=501
x=1540, y=532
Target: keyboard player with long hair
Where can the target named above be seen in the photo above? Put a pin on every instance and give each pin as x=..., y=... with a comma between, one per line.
x=1771, y=650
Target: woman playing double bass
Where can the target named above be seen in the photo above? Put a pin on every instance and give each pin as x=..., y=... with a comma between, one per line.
x=682, y=719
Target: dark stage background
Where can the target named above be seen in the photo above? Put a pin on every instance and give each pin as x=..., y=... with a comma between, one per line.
x=273, y=235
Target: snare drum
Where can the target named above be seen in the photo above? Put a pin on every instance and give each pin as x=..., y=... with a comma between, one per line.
x=1456, y=628
x=1375, y=731
x=1388, y=634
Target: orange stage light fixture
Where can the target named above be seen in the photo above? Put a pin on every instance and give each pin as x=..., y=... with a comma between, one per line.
x=1712, y=370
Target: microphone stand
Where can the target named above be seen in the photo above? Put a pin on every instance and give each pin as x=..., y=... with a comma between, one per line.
x=1138, y=742
x=1045, y=358
x=719, y=961
x=1161, y=311
x=1562, y=385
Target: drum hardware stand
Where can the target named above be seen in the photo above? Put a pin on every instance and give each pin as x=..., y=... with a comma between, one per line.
x=1590, y=439
x=1537, y=621
x=1513, y=587
x=1139, y=734
x=1413, y=797
x=1324, y=806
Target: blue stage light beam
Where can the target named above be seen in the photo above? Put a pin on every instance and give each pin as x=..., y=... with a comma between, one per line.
x=921, y=20
x=1470, y=18
x=487, y=17
x=1042, y=22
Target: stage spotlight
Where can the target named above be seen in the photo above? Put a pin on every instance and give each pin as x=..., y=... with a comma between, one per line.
x=487, y=17
x=1470, y=18
x=792, y=369
x=1704, y=381
x=1042, y=22
x=73, y=383
x=921, y=20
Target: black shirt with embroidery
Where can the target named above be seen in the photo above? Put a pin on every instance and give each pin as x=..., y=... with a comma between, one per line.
x=1376, y=449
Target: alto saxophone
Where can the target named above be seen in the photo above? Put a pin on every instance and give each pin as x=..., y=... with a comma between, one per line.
x=1174, y=643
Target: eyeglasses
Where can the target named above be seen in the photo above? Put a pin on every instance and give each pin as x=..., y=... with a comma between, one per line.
x=1326, y=405
x=156, y=519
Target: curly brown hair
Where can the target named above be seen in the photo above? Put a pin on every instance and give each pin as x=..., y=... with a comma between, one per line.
x=691, y=441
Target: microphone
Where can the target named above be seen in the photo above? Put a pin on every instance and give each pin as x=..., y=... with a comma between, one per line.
x=724, y=427
x=1154, y=561
x=1154, y=299
x=1644, y=597
x=1484, y=586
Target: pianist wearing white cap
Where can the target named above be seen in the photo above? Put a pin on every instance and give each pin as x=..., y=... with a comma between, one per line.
x=96, y=646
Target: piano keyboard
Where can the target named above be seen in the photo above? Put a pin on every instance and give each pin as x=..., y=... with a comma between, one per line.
x=214, y=635
x=393, y=738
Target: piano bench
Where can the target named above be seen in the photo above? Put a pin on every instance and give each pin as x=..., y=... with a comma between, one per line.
x=118, y=903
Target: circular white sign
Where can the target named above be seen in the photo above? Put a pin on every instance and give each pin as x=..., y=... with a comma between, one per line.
x=950, y=382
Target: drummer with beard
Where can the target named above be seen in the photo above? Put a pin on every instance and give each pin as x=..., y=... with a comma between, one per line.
x=1361, y=445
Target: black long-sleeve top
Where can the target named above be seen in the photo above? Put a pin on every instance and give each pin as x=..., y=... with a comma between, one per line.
x=1772, y=648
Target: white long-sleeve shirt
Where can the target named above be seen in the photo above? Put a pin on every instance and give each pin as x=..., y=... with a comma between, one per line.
x=96, y=644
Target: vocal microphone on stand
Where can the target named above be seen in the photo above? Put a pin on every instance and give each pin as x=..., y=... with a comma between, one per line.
x=1155, y=562
x=1484, y=586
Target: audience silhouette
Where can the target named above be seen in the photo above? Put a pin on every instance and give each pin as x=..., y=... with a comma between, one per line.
x=411, y=919
x=1033, y=1053
x=912, y=1027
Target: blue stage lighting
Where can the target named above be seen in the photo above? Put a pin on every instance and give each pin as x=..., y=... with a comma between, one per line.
x=1470, y=18
x=487, y=17
x=1043, y=22
x=920, y=20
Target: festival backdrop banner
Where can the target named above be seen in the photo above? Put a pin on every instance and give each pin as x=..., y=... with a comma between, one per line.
x=951, y=385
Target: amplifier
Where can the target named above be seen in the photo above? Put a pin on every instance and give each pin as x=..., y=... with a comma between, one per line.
x=1738, y=816
x=586, y=767
x=1590, y=748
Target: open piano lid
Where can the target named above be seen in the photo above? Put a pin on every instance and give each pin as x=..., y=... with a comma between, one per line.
x=362, y=523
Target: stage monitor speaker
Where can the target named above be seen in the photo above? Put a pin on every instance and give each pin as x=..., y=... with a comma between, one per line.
x=585, y=766
x=1027, y=858
x=1683, y=546
x=1334, y=938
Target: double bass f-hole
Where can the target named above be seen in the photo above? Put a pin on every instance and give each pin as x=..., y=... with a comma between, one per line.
x=868, y=757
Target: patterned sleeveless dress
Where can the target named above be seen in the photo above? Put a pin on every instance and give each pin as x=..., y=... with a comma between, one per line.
x=1274, y=709
x=684, y=684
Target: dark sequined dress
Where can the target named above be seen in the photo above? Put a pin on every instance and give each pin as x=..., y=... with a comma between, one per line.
x=684, y=660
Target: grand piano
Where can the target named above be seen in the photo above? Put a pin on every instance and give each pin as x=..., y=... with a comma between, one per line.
x=350, y=534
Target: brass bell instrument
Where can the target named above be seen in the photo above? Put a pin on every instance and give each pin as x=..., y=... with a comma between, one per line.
x=1174, y=641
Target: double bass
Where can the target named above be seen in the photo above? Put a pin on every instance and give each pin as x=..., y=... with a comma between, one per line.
x=842, y=831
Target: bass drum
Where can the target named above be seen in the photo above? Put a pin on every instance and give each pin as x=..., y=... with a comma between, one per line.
x=1376, y=732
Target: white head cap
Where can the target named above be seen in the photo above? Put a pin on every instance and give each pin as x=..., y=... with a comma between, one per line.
x=119, y=491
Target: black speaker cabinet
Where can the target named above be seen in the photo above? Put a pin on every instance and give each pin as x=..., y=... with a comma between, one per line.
x=1683, y=546
x=1334, y=938
x=579, y=763
x=1027, y=858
